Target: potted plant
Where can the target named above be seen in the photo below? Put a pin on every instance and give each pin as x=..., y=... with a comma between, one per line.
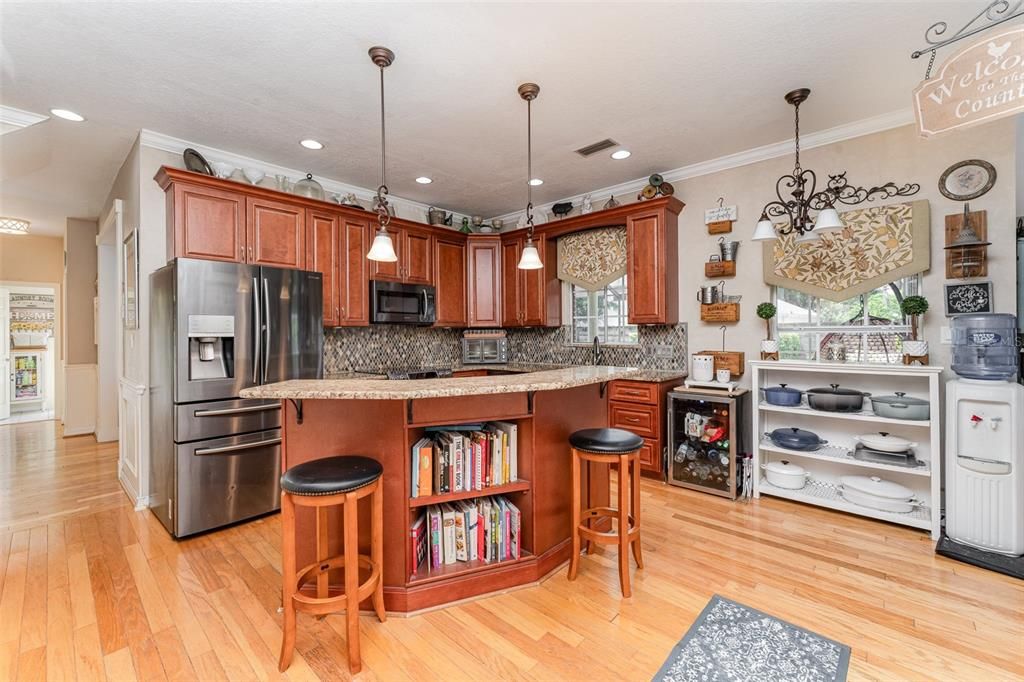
x=766, y=311
x=914, y=307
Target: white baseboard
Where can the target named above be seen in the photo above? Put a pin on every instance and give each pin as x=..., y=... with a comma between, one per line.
x=79, y=399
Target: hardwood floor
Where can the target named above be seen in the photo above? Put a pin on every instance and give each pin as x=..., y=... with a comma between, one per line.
x=104, y=593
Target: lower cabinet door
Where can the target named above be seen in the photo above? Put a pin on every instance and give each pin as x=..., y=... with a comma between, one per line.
x=650, y=455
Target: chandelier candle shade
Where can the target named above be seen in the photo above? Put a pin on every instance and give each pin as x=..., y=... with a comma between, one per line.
x=14, y=226
x=530, y=260
x=382, y=249
x=802, y=198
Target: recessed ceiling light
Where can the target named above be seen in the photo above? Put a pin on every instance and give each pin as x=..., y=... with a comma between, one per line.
x=67, y=115
x=536, y=181
x=311, y=144
x=620, y=154
x=424, y=180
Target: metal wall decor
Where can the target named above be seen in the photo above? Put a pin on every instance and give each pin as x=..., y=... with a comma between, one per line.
x=802, y=197
x=967, y=180
x=995, y=13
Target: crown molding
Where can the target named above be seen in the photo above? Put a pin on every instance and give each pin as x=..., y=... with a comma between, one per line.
x=412, y=209
x=19, y=118
x=821, y=138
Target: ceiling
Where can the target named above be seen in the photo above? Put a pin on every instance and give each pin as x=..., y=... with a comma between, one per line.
x=674, y=83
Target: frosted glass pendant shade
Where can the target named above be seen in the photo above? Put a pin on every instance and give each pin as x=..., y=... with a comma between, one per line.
x=382, y=249
x=764, y=230
x=807, y=237
x=530, y=260
x=828, y=219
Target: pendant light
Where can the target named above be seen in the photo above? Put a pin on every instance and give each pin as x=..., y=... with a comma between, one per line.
x=382, y=249
x=530, y=259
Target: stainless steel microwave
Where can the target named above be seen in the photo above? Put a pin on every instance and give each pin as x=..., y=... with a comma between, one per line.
x=396, y=303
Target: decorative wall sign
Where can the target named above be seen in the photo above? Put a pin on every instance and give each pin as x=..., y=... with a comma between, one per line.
x=980, y=83
x=967, y=180
x=878, y=245
x=31, y=313
x=974, y=297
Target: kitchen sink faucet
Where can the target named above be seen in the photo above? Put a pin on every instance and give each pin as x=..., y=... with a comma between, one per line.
x=598, y=354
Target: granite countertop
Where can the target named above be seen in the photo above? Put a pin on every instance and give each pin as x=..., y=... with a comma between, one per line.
x=372, y=387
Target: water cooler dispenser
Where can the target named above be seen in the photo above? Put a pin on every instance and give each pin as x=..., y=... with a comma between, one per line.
x=985, y=436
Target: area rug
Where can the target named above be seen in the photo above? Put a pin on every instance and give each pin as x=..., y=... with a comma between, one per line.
x=735, y=643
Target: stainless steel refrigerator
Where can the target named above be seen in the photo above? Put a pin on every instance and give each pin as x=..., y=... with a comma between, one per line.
x=216, y=328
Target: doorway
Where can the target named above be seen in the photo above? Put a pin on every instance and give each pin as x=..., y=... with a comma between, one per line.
x=28, y=359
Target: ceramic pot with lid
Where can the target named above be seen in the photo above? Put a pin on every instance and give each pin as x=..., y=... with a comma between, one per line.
x=702, y=367
x=877, y=493
x=783, y=395
x=793, y=438
x=884, y=442
x=900, y=406
x=783, y=474
x=836, y=399
x=308, y=187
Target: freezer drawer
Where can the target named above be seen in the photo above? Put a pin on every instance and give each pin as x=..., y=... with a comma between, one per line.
x=225, y=480
x=218, y=418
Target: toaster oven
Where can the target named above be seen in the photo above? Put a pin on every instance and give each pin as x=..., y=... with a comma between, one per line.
x=484, y=347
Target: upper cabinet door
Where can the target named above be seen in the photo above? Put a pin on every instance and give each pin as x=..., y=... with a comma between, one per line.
x=652, y=269
x=323, y=256
x=354, y=273
x=511, y=284
x=418, y=257
x=450, y=279
x=275, y=233
x=541, y=297
x=390, y=271
x=484, y=275
x=208, y=223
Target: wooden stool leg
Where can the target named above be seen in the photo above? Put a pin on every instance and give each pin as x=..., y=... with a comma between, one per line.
x=351, y=553
x=377, y=549
x=288, y=580
x=634, y=476
x=574, y=557
x=624, y=526
x=322, y=580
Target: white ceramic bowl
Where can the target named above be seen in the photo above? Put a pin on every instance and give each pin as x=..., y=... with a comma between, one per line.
x=253, y=175
x=222, y=169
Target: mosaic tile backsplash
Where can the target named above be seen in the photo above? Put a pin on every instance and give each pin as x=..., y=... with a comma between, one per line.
x=385, y=346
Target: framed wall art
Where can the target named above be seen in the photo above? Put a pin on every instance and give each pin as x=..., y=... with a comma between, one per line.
x=967, y=180
x=972, y=297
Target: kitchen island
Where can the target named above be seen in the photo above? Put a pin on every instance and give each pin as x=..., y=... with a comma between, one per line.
x=383, y=419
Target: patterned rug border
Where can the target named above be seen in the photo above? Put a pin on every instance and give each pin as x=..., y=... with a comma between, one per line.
x=842, y=669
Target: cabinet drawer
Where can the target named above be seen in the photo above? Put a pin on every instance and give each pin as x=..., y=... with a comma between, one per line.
x=650, y=455
x=634, y=392
x=640, y=419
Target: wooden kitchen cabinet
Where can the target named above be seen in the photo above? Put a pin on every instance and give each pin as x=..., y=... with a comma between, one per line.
x=336, y=246
x=530, y=298
x=206, y=222
x=484, y=280
x=450, y=280
x=275, y=233
x=323, y=256
x=640, y=407
x=414, y=264
x=652, y=267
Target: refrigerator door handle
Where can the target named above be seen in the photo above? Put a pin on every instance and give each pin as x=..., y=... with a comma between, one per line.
x=256, y=338
x=266, y=327
x=236, y=448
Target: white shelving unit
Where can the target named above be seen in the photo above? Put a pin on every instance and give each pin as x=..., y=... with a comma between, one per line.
x=826, y=465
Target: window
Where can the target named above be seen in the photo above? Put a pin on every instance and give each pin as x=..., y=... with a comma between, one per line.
x=866, y=328
x=603, y=314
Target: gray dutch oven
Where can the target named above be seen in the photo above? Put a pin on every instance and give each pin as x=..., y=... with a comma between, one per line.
x=836, y=399
x=793, y=438
x=900, y=406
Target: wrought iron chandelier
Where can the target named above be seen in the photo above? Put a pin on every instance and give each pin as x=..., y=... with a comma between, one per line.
x=802, y=198
x=382, y=249
x=530, y=259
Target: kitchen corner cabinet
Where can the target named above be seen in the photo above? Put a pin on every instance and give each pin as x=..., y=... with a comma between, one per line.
x=530, y=298
x=652, y=265
x=336, y=246
x=275, y=233
x=484, y=280
x=640, y=407
x=450, y=280
x=415, y=262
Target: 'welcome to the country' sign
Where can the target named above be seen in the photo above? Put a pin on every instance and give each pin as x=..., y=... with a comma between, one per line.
x=981, y=83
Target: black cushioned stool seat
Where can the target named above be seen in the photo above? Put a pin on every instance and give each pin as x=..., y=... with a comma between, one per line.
x=331, y=475
x=606, y=441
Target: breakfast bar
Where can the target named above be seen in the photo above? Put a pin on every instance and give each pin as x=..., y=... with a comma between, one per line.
x=384, y=419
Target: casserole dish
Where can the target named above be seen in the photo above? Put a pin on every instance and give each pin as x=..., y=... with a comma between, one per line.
x=877, y=493
x=886, y=443
x=899, y=406
x=793, y=438
x=836, y=399
x=782, y=474
x=783, y=396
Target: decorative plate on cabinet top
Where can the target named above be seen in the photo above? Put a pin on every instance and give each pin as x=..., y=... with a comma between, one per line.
x=195, y=162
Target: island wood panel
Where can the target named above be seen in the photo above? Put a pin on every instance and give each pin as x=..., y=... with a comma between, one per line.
x=275, y=233
x=450, y=279
x=484, y=281
x=322, y=255
x=354, y=273
x=206, y=222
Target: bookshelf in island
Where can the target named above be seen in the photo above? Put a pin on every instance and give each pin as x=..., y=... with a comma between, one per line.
x=490, y=451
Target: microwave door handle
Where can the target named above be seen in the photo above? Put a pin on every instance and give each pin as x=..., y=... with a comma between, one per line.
x=256, y=332
x=266, y=342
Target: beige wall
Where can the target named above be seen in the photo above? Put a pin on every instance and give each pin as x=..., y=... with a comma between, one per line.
x=27, y=258
x=80, y=289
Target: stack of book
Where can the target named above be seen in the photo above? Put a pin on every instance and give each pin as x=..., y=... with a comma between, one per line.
x=464, y=458
x=487, y=529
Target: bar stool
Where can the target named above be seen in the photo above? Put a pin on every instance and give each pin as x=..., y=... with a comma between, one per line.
x=322, y=483
x=608, y=446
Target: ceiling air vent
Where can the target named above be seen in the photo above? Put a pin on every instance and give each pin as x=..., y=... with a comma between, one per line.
x=597, y=147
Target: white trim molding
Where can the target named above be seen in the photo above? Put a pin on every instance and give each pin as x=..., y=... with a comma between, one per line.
x=19, y=118
x=133, y=429
x=847, y=131
x=79, y=399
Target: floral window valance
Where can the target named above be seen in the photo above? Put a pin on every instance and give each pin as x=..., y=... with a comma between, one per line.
x=592, y=259
x=878, y=245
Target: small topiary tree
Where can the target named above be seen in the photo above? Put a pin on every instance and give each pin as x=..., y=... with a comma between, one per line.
x=766, y=311
x=914, y=307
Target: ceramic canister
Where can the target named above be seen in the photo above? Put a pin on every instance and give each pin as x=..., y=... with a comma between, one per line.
x=702, y=367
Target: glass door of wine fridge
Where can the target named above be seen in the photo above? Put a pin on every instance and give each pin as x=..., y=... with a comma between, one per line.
x=707, y=440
